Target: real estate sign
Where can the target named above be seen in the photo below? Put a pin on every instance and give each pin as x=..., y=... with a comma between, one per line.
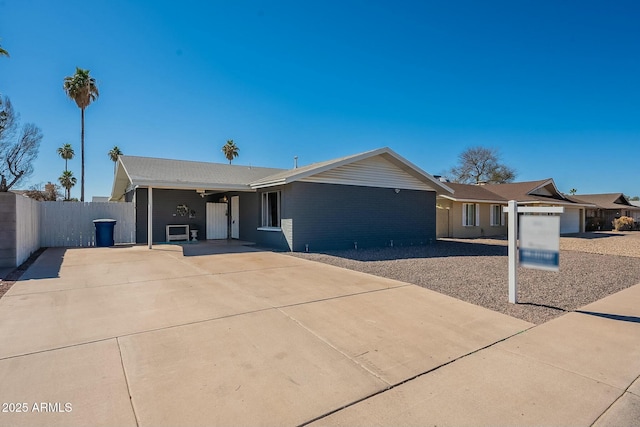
x=540, y=242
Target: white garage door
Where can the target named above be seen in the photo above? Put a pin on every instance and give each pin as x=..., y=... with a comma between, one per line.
x=570, y=221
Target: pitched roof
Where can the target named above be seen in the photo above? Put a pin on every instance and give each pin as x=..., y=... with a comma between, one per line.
x=135, y=171
x=543, y=190
x=526, y=192
x=473, y=193
x=167, y=173
x=385, y=153
x=605, y=201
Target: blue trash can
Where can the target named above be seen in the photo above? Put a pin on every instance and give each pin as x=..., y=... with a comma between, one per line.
x=104, y=232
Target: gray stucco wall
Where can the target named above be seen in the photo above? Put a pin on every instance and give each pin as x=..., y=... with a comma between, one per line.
x=327, y=216
x=164, y=206
x=8, y=229
x=324, y=216
x=164, y=209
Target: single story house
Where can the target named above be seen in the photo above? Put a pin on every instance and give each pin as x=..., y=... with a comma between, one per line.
x=371, y=199
x=475, y=210
x=606, y=208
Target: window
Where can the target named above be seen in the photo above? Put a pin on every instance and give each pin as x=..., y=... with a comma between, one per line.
x=470, y=214
x=497, y=217
x=271, y=209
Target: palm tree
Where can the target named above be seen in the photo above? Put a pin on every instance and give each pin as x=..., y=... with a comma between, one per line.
x=230, y=150
x=113, y=155
x=67, y=153
x=81, y=87
x=573, y=191
x=67, y=180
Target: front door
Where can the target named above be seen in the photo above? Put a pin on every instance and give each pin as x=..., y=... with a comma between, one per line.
x=216, y=220
x=235, y=217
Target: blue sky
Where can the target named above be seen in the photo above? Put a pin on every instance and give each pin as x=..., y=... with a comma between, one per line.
x=554, y=86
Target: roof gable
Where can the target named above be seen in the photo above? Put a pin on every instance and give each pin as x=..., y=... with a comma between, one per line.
x=606, y=201
x=370, y=172
x=528, y=192
x=378, y=168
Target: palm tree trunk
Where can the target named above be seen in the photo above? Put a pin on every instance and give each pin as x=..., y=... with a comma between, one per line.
x=82, y=157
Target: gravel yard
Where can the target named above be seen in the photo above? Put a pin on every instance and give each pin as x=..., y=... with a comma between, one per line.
x=592, y=266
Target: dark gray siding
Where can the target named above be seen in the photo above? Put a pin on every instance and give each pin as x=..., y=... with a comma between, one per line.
x=324, y=216
x=328, y=216
x=272, y=239
x=164, y=209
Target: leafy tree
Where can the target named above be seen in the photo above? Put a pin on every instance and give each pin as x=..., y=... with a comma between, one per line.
x=67, y=153
x=81, y=87
x=230, y=150
x=634, y=198
x=67, y=181
x=18, y=147
x=113, y=155
x=480, y=164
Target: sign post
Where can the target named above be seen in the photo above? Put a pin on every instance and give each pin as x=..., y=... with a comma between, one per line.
x=512, y=209
x=539, y=241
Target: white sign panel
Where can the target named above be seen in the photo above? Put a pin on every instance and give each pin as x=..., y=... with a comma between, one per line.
x=540, y=242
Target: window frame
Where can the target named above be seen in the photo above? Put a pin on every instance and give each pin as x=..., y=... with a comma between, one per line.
x=475, y=217
x=500, y=221
x=266, y=211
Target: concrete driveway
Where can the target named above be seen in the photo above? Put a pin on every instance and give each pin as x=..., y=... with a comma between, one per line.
x=229, y=335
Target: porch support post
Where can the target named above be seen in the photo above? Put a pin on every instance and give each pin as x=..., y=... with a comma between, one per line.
x=150, y=217
x=513, y=251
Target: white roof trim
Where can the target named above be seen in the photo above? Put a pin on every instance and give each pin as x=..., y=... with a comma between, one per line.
x=323, y=167
x=494, y=202
x=544, y=184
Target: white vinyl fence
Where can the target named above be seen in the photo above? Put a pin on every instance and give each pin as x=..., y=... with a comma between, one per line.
x=71, y=223
x=27, y=228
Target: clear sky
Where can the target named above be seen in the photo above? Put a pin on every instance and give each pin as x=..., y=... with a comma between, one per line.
x=553, y=85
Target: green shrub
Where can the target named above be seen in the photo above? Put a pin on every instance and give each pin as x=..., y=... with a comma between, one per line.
x=623, y=223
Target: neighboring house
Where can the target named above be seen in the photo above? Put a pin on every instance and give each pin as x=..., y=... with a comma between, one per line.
x=607, y=207
x=368, y=199
x=471, y=211
x=476, y=210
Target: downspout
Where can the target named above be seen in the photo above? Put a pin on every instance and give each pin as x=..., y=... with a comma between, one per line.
x=150, y=217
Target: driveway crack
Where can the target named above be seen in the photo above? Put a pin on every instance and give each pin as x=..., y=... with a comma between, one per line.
x=126, y=380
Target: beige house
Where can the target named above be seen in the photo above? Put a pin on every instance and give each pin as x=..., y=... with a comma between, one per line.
x=476, y=210
x=606, y=208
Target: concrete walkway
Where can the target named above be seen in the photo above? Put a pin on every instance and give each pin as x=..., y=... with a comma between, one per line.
x=229, y=335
